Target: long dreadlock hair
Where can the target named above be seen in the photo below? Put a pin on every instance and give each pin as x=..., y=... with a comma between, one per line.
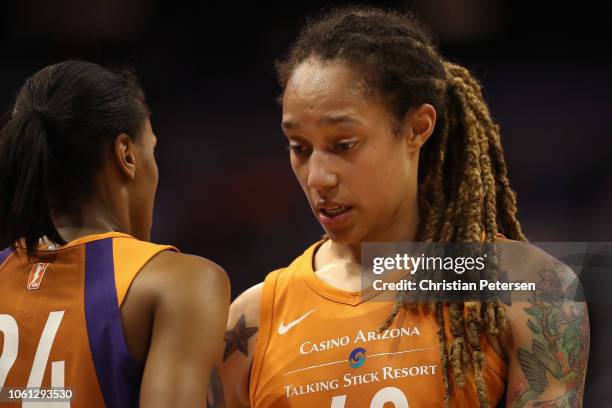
x=464, y=192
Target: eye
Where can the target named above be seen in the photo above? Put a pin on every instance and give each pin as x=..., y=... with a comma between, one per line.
x=345, y=146
x=298, y=149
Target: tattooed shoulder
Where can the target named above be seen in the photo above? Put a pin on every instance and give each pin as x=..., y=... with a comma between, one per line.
x=237, y=339
x=554, y=363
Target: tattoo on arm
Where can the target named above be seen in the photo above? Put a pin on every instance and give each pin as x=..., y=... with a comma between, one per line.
x=559, y=352
x=216, y=397
x=238, y=338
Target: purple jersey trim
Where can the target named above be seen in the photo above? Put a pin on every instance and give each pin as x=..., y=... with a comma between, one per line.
x=5, y=253
x=118, y=373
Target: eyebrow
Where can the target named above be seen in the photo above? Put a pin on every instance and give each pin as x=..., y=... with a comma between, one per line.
x=338, y=120
x=328, y=120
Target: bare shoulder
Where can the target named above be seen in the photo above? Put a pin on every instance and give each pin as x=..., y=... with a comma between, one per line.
x=176, y=266
x=229, y=385
x=174, y=274
x=243, y=327
x=247, y=304
x=523, y=261
x=548, y=342
x=523, y=251
x=174, y=282
x=174, y=315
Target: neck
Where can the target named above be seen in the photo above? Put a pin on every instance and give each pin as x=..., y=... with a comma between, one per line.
x=89, y=221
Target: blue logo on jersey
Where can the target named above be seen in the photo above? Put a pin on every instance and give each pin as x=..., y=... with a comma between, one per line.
x=357, y=357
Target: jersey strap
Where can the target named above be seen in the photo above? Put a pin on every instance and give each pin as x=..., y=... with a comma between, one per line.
x=118, y=373
x=5, y=253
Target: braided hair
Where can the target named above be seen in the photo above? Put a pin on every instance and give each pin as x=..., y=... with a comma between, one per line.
x=464, y=194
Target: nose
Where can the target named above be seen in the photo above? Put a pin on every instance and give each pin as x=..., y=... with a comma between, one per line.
x=320, y=172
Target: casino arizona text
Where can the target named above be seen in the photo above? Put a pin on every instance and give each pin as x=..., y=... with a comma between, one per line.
x=308, y=347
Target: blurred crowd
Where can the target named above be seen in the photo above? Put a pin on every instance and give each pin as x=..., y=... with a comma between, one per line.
x=226, y=189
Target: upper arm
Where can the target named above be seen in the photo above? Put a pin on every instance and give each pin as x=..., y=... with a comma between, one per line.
x=229, y=384
x=548, y=345
x=189, y=310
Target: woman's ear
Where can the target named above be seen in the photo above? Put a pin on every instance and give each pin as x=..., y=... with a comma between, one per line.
x=125, y=155
x=419, y=124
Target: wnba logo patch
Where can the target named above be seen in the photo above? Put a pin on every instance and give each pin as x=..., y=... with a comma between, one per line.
x=36, y=275
x=357, y=357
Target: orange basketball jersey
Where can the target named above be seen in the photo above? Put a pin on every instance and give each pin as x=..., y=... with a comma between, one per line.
x=318, y=346
x=60, y=322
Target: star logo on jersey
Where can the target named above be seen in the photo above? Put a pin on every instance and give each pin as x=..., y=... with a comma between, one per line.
x=36, y=275
x=282, y=329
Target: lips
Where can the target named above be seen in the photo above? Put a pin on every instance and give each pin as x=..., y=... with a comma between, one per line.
x=333, y=214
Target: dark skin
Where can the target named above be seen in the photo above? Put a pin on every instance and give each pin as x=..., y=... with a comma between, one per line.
x=338, y=140
x=344, y=152
x=175, y=311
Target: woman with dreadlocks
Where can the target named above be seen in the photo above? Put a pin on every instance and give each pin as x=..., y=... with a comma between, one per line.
x=390, y=143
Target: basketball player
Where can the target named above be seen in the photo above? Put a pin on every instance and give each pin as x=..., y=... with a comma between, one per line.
x=392, y=143
x=88, y=305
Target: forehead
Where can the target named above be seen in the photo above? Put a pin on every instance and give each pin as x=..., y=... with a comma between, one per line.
x=323, y=78
x=318, y=87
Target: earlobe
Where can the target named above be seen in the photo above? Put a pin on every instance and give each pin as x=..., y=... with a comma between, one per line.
x=125, y=155
x=420, y=123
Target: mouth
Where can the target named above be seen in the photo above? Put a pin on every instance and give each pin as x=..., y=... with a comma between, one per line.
x=334, y=211
x=334, y=216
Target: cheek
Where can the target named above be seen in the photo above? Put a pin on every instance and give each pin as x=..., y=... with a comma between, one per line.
x=300, y=170
x=381, y=183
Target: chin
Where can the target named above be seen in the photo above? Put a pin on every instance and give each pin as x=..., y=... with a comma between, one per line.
x=343, y=237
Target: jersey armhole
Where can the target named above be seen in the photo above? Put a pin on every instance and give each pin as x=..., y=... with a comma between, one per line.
x=130, y=256
x=266, y=310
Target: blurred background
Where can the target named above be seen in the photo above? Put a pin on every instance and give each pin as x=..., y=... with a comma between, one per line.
x=226, y=189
